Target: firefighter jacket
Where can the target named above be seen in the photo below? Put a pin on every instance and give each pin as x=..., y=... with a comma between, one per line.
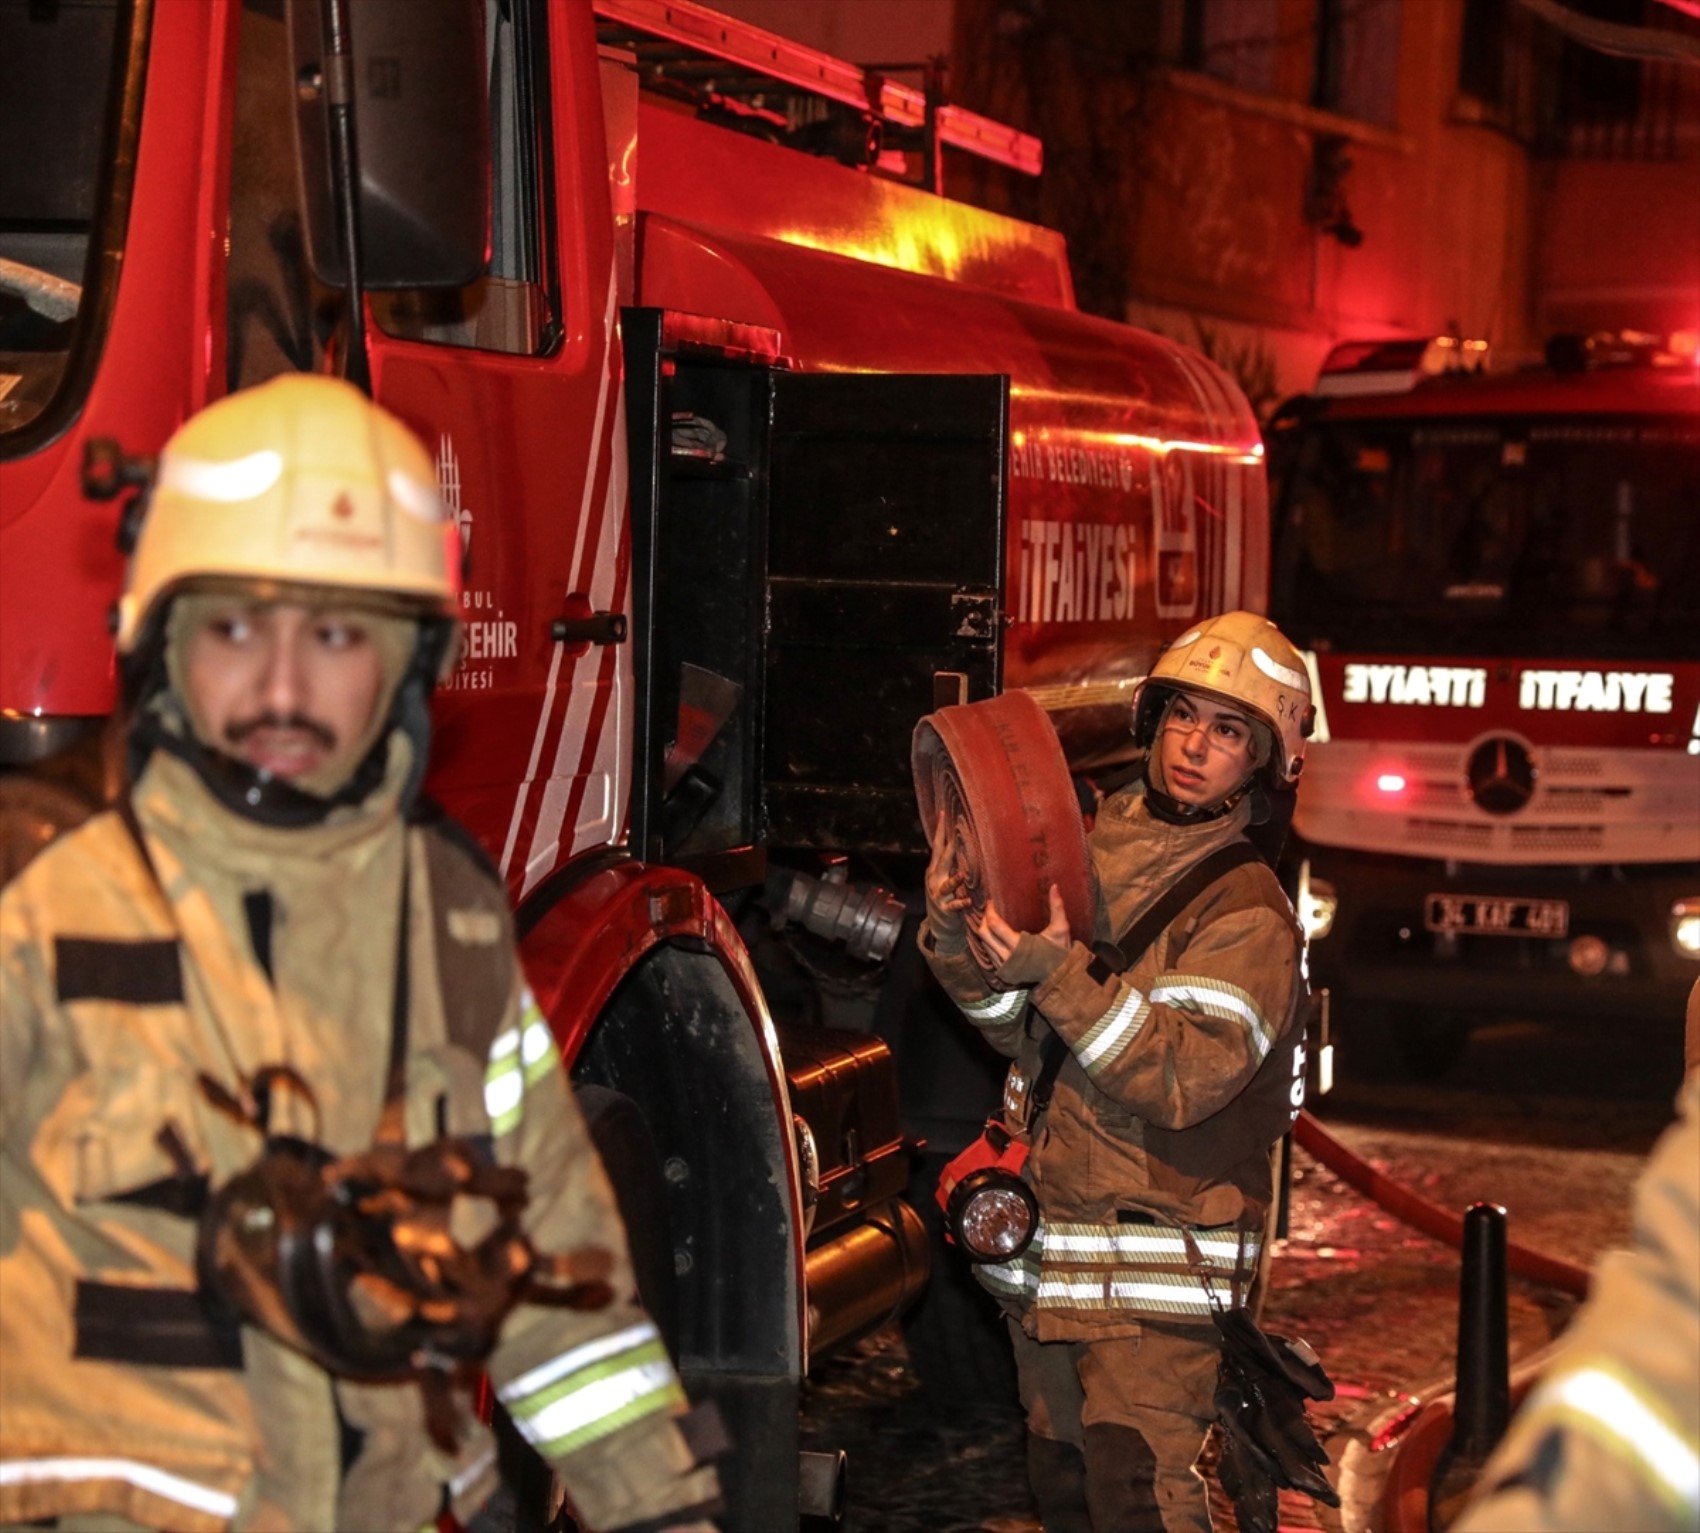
x=1609, y=1437
x=1151, y=1164
x=242, y=946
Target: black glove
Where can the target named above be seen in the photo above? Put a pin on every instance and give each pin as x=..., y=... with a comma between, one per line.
x=1267, y=1443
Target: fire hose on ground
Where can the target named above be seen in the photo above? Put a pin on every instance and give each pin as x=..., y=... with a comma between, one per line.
x=1426, y=1217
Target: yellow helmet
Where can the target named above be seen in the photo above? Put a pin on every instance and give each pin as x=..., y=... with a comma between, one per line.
x=1242, y=659
x=302, y=481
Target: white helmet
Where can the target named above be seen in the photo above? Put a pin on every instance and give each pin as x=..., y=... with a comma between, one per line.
x=1242, y=659
x=301, y=482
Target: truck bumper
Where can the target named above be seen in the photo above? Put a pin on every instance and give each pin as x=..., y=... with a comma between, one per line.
x=1380, y=951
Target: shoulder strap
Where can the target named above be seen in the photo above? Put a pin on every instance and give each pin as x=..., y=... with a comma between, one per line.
x=1117, y=957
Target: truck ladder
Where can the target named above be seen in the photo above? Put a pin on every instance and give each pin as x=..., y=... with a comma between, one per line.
x=767, y=57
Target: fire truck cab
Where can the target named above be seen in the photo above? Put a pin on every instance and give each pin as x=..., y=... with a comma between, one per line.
x=1496, y=572
x=760, y=449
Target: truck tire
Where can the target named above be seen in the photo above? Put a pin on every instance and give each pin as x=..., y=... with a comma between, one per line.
x=527, y=1498
x=958, y=1346
x=633, y=1164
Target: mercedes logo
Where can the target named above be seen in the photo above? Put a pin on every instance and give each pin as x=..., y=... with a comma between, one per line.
x=1501, y=775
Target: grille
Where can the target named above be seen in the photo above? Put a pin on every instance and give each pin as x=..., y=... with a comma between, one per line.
x=1557, y=838
x=1559, y=765
x=1448, y=761
x=1452, y=833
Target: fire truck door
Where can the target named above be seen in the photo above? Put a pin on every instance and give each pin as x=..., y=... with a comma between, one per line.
x=885, y=555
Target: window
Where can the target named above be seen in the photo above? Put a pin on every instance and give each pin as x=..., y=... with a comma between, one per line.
x=60, y=114
x=1231, y=40
x=1357, y=59
x=515, y=308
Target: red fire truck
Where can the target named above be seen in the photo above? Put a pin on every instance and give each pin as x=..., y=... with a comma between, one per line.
x=760, y=449
x=1497, y=573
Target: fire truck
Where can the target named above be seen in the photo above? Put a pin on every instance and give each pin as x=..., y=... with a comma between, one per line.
x=1497, y=574
x=760, y=449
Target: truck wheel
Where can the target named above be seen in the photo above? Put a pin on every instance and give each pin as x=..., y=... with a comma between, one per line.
x=633, y=1164
x=957, y=1343
x=527, y=1498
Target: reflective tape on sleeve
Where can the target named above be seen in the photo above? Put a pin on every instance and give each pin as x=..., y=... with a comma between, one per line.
x=1613, y=1410
x=1216, y=998
x=519, y=1057
x=997, y=1007
x=590, y=1391
x=1101, y=1043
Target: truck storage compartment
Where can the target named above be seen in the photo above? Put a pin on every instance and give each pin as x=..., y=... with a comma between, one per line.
x=816, y=564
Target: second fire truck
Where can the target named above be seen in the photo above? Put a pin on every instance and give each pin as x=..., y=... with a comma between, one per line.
x=1497, y=572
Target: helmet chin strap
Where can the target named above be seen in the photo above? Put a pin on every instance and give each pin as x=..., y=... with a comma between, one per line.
x=1170, y=810
x=257, y=795
x=157, y=724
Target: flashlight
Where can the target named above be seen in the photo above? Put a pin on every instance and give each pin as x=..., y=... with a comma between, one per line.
x=989, y=1211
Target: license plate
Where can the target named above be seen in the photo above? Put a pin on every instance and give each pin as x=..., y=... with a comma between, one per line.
x=1489, y=915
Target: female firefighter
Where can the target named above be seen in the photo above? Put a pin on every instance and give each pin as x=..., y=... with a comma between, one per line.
x=1175, y=1070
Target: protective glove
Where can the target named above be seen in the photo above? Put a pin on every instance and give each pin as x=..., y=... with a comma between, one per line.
x=947, y=893
x=1034, y=960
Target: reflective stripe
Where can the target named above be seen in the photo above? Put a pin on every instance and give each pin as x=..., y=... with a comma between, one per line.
x=503, y=1097
x=1604, y=1405
x=1048, y=1271
x=996, y=1007
x=1215, y=998
x=519, y=1057
x=584, y=1356
x=1113, y=1031
x=229, y=482
x=469, y=1475
x=593, y=1390
x=1015, y=1278
x=168, y=1487
x=1097, y=1242
x=601, y=1406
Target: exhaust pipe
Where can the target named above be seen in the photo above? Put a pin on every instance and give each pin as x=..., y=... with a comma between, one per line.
x=820, y=1485
x=862, y=1279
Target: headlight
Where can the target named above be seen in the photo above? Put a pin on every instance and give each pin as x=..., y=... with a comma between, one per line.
x=1685, y=927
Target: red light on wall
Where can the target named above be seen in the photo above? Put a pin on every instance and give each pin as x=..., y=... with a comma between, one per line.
x=1391, y=782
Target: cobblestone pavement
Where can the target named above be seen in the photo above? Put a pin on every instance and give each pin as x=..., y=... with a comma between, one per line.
x=1376, y=1299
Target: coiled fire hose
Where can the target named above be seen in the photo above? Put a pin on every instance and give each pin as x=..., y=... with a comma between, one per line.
x=996, y=768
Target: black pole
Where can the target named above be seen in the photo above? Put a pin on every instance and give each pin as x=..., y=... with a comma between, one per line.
x=345, y=178
x=1481, y=1406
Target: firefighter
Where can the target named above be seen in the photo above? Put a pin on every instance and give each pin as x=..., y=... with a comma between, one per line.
x=1150, y=1144
x=1609, y=1437
x=256, y=1018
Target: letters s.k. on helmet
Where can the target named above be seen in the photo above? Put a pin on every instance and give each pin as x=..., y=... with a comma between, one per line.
x=301, y=482
x=1243, y=660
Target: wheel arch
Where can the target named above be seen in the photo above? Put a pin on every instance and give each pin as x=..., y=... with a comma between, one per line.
x=650, y=992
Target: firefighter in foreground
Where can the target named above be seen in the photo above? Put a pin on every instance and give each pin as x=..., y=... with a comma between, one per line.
x=1150, y=1140
x=270, y=1080
x=1610, y=1435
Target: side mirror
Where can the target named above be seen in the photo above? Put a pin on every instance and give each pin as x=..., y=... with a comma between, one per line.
x=422, y=124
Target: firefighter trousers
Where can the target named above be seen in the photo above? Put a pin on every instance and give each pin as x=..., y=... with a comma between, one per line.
x=1114, y=1428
